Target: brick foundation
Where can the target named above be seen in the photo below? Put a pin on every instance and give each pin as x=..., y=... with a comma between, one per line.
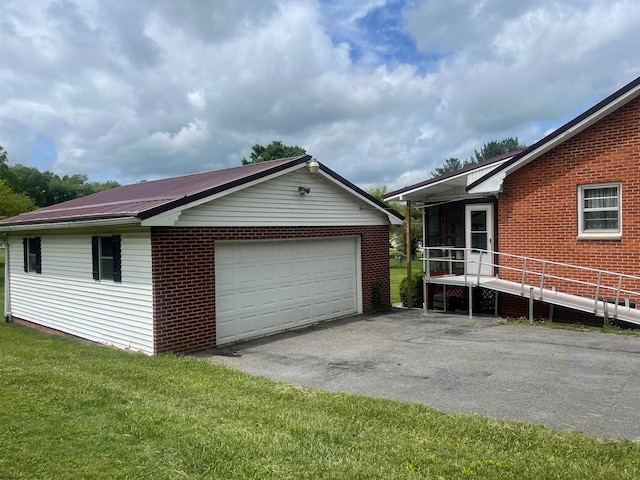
x=183, y=269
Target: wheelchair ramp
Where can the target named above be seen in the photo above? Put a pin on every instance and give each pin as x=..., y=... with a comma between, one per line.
x=609, y=299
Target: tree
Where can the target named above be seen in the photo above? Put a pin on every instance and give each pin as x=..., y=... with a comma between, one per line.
x=495, y=148
x=450, y=165
x=3, y=162
x=47, y=188
x=489, y=150
x=397, y=233
x=276, y=149
x=378, y=191
x=12, y=203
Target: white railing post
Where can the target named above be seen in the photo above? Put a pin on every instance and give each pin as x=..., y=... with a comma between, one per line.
x=524, y=273
x=595, y=310
x=615, y=309
x=479, y=267
x=428, y=269
x=544, y=268
x=466, y=259
x=531, y=304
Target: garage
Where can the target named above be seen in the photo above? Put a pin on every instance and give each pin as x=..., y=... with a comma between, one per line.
x=204, y=259
x=263, y=287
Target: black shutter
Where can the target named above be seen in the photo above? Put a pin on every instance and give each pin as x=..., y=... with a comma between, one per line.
x=25, y=252
x=117, y=258
x=38, y=252
x=95, y=256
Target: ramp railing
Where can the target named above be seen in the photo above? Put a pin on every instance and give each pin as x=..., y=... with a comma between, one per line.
x=605, y=284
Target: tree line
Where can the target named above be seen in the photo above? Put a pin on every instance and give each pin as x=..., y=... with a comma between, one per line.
x=491, y=149
x=23, y=188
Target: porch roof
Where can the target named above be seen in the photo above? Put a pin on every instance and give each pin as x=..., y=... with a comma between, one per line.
x=450, y=186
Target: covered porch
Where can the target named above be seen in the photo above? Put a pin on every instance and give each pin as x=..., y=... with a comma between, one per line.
x=459, y=234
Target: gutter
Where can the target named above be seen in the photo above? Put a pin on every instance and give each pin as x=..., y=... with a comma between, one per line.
x=71, y=224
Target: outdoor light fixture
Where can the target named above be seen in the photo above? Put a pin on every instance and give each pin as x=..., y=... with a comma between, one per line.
x=304, y=190
x=314, y=166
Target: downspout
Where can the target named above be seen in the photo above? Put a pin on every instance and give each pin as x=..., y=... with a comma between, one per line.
x=7, y=297
x=408, y=252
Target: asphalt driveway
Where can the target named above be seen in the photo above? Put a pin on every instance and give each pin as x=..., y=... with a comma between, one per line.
x=568, y=380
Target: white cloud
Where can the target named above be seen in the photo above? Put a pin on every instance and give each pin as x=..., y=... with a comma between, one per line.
x=158, y=88
x=197, y=99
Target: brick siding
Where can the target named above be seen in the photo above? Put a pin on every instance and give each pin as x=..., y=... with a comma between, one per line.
x=538, y=207
x=183, y=269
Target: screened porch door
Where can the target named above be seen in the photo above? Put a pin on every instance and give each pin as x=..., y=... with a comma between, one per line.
x=479, y=236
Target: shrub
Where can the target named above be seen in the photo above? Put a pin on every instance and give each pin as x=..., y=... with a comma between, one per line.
x=377, y=296
x=417, y=292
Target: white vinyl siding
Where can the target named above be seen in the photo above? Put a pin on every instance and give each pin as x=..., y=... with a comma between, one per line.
x=66, y=298
x=277, y=202
x=600, y=210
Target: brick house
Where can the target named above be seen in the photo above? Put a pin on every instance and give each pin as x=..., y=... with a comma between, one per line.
x=189, y=263
x=570, y=200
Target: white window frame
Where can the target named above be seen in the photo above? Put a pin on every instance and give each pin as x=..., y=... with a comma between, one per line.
x=102, y=258
x=603, y=233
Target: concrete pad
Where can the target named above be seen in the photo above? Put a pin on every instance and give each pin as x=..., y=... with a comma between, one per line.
x=568, y=380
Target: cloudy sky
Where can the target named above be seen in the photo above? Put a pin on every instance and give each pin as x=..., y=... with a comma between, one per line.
x=381, y=91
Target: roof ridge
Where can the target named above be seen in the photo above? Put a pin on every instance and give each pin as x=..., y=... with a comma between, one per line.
x=186, y=175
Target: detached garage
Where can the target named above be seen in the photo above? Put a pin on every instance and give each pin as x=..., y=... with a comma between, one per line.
x=189, y=263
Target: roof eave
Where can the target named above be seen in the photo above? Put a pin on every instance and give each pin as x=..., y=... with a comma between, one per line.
x=394, y=217
x=64, y=224
x=421, y=192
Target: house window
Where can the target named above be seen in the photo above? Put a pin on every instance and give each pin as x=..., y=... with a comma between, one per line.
x=32, y=254
x=106, y=258
x=600, y=211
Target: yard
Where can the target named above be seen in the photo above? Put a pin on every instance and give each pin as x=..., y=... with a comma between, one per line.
x=398, y=272
x=70, y=409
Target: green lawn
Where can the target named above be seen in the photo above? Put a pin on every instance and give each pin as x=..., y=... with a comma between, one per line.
x=70, y=409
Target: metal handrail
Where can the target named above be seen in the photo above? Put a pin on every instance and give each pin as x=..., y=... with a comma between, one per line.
x=526, y=270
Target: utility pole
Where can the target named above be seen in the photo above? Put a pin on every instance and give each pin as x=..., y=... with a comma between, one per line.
x=408, y=252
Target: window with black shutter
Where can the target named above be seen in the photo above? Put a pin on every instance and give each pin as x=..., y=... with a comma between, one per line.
x=32, y=249
x=106, y=253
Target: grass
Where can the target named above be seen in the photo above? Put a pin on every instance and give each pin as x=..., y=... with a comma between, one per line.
x=398, y=273
x=69, y=409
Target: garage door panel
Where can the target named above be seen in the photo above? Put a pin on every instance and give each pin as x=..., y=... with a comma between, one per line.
x=263, y=287
x=269, y=321
x=304, y=314
x=349, y=304
x=288, y=317
x=268, y=297
x=304, y=292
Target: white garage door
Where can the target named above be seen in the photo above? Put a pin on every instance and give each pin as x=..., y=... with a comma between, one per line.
x=265, y=287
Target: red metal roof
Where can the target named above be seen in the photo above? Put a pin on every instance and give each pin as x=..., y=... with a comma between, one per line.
x=146, y=199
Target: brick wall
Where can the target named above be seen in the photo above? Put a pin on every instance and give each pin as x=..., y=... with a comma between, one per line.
x=538, y=208
x=184, y=282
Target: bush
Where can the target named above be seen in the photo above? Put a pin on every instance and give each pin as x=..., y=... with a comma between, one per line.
x=377, y=296
x=417, y=292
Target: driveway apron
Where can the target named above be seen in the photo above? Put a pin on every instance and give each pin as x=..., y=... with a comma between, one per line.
x=569, y=380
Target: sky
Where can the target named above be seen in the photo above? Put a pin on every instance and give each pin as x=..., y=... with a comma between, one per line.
x=380, y=91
